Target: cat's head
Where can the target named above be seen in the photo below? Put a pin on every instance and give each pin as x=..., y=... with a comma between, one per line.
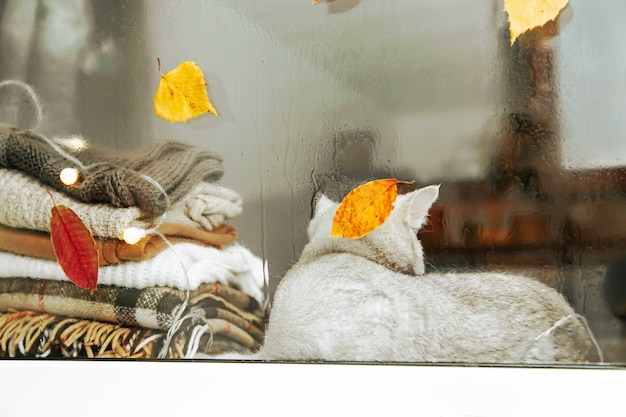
x=393, y=244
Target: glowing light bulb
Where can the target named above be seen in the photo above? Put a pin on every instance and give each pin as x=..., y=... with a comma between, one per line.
x=133, y=235
x=69, y=176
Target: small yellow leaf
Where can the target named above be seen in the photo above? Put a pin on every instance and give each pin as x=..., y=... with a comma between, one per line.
x=315, y=1
x=182, y=94
x=525, y=15
x=365, y=208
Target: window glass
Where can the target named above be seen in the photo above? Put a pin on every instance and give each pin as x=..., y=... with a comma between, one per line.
x=523, y=139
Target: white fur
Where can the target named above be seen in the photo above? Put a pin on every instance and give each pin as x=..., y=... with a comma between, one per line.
x=367, y=299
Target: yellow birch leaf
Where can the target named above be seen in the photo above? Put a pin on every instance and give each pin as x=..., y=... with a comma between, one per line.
x=525, y=15
x=365, y=208
x=182, y=94
x=315, y=1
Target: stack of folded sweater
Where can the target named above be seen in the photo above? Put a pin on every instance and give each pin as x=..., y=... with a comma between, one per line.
x=187, y=287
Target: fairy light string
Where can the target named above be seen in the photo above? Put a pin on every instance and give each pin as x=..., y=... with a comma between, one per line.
x=70, y=176
x=561, y=322
x=31, y=94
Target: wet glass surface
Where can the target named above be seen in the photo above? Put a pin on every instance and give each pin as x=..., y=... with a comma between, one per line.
x=525, y=140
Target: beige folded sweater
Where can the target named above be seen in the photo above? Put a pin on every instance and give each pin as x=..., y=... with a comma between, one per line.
x=25, y=204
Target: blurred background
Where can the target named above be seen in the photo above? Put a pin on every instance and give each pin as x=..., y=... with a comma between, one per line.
x=527, y=140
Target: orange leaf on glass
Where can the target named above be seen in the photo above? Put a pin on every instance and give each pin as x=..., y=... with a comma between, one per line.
x=181, y=94
x=365, y=208
x=74, y=247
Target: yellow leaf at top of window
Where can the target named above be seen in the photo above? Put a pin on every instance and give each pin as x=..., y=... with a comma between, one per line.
x=525, y=15
x=182, y=94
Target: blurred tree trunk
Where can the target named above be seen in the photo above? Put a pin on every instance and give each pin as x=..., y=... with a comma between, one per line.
x=43, y=42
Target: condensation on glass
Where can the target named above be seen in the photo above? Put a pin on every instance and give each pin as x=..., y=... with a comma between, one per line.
x=526, y=140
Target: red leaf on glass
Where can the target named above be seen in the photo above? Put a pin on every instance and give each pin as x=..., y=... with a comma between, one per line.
x=74, y=247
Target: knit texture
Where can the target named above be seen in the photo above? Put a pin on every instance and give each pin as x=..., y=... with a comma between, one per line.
x=187, y=266
x=114, y=177
x=25, y=204
x=114, y=251
x=207, y=206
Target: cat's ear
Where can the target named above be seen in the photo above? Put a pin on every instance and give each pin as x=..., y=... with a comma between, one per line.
x=416, y=205
x=321, y=204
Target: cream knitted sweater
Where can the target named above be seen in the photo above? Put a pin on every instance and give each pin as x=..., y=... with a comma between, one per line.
x=25, y=204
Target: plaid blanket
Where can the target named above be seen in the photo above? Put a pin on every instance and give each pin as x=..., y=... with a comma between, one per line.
x=33, y=334
x=220, y=309
x=29, y=334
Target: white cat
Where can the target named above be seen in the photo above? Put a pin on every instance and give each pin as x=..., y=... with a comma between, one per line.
x=368, y=299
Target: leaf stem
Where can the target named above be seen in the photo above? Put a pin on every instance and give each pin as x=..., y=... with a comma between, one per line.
x=52, y=197
x=159, y=66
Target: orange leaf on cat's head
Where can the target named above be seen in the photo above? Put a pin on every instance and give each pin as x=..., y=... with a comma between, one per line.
x=365, y=208
x=182, y=94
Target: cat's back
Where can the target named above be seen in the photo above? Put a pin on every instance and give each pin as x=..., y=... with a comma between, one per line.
x=329, y=287
x=343, y=307
x=332, y=308
x=343, y=284
x=512, y=318
x=491, y=290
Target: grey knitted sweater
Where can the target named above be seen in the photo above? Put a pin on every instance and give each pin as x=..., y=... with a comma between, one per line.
x=114, y=177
